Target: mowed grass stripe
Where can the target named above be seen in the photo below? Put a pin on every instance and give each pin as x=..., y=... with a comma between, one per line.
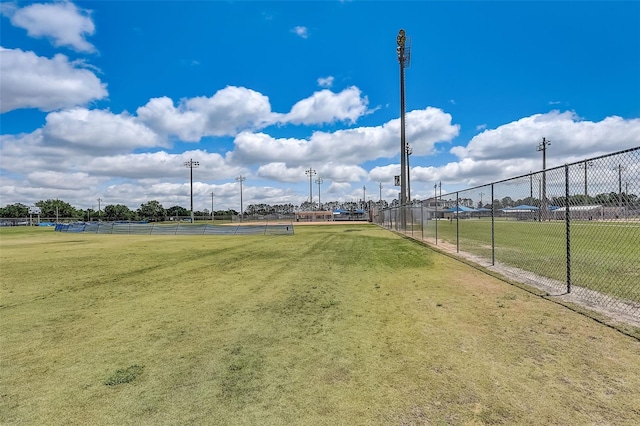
x=604, y=256
x=334, y=325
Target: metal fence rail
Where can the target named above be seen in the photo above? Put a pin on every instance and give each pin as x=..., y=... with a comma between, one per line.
x=176, y=229
x=570, y=230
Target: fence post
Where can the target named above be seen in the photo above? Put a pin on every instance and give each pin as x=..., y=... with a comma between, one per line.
x=435, y=217
x=493, y=241
x=422, y=219
x=457, y=223
x=567, y=221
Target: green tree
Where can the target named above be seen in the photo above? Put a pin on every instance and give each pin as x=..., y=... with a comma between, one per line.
x=118, y=212
x=49, y=208
x=177, y=211
x=152, y=210
x=14, y=210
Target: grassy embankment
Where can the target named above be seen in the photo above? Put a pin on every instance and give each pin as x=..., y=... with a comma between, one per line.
x=334, y=325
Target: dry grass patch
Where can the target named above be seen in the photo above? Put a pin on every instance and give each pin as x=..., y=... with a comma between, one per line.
x=334, y=325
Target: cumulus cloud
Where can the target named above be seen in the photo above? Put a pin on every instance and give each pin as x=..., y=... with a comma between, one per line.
x=333, y=172
x=162, y=165
x=62, y=22
x=97, y=132
x=61, y=180
x=227, y=112
x=300, y=31
x=571, y=137
x=31, y=81
x=280, y=172
x=423, y=128
x=326, y=106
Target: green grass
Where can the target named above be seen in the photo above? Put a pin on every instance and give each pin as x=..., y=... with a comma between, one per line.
x=345, y=324
x=604, y=256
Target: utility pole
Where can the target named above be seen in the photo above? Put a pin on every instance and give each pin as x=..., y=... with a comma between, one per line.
x=319, y=181
x=191, y=164
x=619, y=168
x=542, y=146
x=241, y=179
x=213, y=214
x=99, y=213
x=380, y=194
x=586, y=166
x=310, y=173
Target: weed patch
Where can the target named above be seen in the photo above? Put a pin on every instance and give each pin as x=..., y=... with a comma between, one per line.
x=126, y=375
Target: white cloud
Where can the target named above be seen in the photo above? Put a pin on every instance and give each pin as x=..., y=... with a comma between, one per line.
x=31, y=81
x=61, y=180
x=325, y=81
x=227, y=112
x=338, y=187
x=300, y=31
x=352, y=146
x=481, y=127
x=62, y=22
x=97, y=132
x=281, y=173
x=384, y=173
x=570, y=137
x=326, y=106
x=162, y=165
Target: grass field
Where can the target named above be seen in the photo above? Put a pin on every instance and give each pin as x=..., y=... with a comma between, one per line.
x=346, y=324
x=604, y=256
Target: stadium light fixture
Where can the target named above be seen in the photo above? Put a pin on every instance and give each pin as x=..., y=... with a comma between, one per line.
x=191, y=164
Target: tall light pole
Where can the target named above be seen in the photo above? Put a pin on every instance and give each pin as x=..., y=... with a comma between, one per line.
x=481, y=194
x=241, y=179
x=310, y=173
x=380, y=186
x=99, y=213
x=404, y=55
x=542, y=146
x=191, y=164
x=364, y=196
x=319, y=181
x=586, y=166
x=213, y=214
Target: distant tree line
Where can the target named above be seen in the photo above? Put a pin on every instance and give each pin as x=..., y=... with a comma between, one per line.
x=154, y=211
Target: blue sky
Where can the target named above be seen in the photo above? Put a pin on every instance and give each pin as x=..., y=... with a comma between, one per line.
x=109, y=99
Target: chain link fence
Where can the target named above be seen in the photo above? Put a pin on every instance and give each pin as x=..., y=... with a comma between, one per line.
x=276, y=228
x=572, y=231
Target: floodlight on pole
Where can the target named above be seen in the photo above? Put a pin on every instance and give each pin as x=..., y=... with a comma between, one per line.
x=542, y=146
x=241, y=179
x=191, y=165
x=99, y=212
x=403, y=51
x=319, y=181
x=364, y=196
x=310, y=173
x=481, y=194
